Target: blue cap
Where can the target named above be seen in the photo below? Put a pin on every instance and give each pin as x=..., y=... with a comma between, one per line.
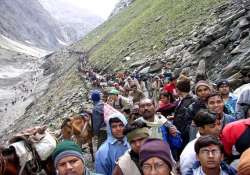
x=96, y=96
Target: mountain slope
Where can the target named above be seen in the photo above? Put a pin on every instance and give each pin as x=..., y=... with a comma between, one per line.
x=141, y=29
x=192, y=36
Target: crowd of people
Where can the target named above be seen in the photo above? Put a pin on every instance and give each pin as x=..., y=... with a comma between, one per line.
x=23, y=89
x=163, y=124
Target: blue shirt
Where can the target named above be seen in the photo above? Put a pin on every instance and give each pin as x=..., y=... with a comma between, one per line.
x=111, y=149
x=230, y=104
x=108, y=154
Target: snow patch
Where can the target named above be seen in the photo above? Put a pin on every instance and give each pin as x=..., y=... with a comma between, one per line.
x=61, y=42
x=11, y=72
x=9, y=44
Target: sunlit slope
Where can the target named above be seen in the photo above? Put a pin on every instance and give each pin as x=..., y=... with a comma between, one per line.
x=141, y=30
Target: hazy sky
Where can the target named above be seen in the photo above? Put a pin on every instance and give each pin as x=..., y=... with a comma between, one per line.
x=101, y=8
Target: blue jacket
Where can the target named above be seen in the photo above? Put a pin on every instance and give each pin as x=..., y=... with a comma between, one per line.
x=97, y=117
x=175, y=142
x=230, y=104
x=227, y=119
x=224, y=167
x=110, y=150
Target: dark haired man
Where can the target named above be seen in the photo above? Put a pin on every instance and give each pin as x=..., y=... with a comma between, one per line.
x=228, y=98
x=207, y=124
x=128, y=163
x=209, y=153
x=115, y=145
x=117, y=101
x=135, y=93
x=160, y=127
x=215, y=104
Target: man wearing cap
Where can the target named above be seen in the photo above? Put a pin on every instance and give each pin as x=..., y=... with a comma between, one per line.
x=68, y=159
x=228, y=98
x=118, y=101
x=128, y=163
x=207, y=124
x=202, y=91
x=155, y=158
x=114, y=147
x=98, y=124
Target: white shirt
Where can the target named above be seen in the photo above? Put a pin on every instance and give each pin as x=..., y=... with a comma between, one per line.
x=188, y=157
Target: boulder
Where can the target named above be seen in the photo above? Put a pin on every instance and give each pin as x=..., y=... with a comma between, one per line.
x=173, y=50
x=244, y=23
x=233, y=17
x=230, y=69
x=156, y=67
x=137, y=63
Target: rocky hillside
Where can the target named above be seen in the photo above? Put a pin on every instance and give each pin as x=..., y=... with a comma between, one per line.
x=208, y=36
x=184, y=33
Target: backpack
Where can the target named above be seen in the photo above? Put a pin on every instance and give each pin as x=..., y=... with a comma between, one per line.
x=108, y=110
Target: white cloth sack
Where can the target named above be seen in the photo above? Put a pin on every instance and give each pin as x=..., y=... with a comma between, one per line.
x=23, y=153
x=45, y=146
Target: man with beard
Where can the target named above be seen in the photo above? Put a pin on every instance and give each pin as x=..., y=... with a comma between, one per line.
x=160, y=127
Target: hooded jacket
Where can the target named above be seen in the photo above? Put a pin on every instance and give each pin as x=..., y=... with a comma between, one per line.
x=111, y=149
x=98, y=117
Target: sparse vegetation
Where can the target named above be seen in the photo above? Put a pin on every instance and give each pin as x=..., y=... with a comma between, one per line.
x=139, y=30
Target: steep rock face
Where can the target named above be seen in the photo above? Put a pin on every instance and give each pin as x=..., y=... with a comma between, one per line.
x=27, y=21
x=219, y=49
